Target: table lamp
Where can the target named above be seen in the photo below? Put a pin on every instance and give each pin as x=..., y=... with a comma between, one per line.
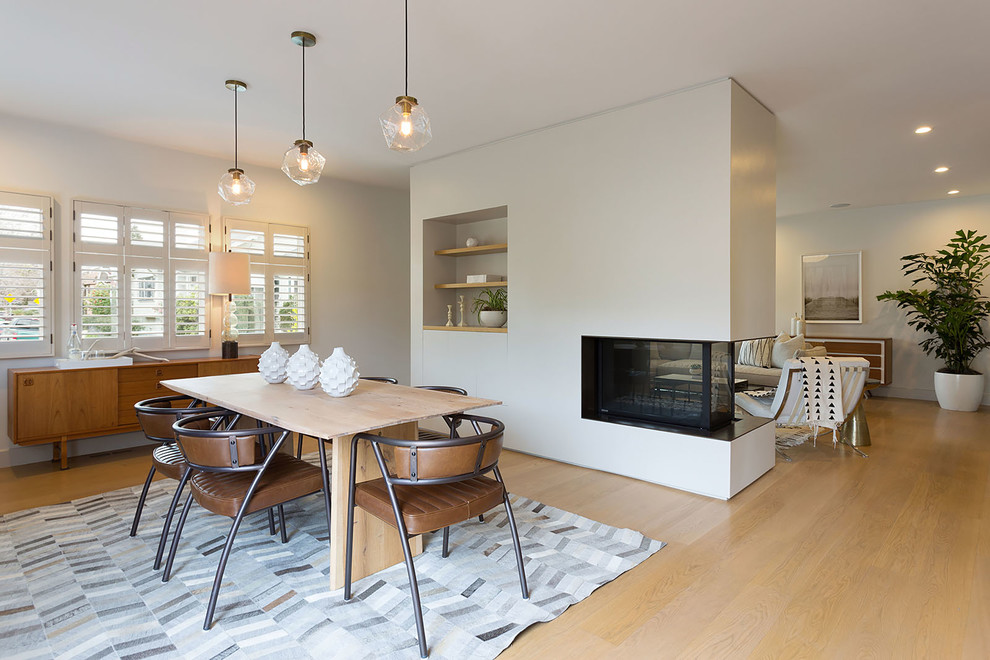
x=230, y=273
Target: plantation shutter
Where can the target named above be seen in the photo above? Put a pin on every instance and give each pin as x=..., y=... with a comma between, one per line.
x=25, y=275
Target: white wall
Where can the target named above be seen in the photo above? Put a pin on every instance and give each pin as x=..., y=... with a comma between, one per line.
x=618, y=225
x=359, y=243
x=884, y=234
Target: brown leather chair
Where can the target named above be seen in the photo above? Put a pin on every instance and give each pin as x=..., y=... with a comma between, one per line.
x=236, y=471
x=430, y=485
x=156, y=417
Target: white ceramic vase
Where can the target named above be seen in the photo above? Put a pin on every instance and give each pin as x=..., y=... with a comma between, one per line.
x=491, y=319
x=303, y=369
x=339, y=376
x=273, y=362
x=961, y=392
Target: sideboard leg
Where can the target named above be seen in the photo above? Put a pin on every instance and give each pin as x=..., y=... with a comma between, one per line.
x=63, y=452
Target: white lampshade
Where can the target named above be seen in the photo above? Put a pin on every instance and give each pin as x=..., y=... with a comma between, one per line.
x=230, y=272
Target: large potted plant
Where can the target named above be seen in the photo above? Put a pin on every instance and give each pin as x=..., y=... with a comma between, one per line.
x=952, y=312
x=492, y=307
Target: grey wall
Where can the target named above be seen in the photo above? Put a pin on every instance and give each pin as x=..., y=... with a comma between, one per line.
x=359, y=239
x=884, y=234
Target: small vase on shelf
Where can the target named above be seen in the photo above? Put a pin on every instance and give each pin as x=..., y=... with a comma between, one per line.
x=273, y=363
x=339, y=376
x=303, y=369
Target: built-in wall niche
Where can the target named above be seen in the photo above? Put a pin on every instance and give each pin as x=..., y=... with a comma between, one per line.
x=448, y=261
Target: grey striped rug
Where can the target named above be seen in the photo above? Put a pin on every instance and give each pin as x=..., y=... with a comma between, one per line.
x=73, y=584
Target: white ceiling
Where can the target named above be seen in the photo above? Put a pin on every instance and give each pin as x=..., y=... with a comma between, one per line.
x=848, y=80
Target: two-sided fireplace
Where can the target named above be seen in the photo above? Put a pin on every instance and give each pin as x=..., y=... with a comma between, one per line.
x=657, y=383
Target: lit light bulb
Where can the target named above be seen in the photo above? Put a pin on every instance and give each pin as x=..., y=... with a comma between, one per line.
x=303, y=162
x=235, y=186
x=405, y=126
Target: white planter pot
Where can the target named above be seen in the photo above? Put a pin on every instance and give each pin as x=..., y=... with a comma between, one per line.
x=493, y=319
x=959, y=391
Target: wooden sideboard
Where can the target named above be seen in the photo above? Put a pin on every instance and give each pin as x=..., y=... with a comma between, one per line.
x=875, y=349
x=49, y=405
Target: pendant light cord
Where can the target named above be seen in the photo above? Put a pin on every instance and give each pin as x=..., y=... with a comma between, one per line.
x=407, y=48
x=235, y=127
x=304, y=88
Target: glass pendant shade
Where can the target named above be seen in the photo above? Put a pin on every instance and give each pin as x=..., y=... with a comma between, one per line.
x=406, y=125
x=302, y=163
x=236, y=187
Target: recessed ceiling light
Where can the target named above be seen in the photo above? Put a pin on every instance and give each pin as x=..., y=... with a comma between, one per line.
x=840, y=205
x=952, y=192
x=941, y=169
x=923, y=129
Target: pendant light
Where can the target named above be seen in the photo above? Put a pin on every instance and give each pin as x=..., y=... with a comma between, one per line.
x=406, y=125
x=302, y=163
x=235, y=186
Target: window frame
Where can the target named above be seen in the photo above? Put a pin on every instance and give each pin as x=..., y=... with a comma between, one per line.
x=129, y=258
x=272, y=266
x=34, y=251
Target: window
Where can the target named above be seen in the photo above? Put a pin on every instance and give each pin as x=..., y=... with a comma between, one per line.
x=25, y=275
x=140, y=277
x=276, y=308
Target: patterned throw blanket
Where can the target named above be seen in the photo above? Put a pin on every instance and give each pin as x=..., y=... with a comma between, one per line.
x=821, y=393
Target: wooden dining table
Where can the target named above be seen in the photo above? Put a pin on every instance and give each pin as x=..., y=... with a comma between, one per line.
x=374, y=407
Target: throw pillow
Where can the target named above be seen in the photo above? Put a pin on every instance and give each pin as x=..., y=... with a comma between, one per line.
x=814, y=351
x=785, y=350
x=756, y=353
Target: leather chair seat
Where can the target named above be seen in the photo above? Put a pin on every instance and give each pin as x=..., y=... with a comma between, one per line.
x=168, y=461
x=429, y=508
x=286, y=478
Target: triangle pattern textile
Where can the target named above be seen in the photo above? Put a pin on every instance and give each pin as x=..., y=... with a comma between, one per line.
x=821, y=394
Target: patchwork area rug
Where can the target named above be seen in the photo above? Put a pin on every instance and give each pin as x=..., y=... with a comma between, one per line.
x=73, y=584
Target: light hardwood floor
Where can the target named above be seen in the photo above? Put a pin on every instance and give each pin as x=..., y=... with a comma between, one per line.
x=831, y=556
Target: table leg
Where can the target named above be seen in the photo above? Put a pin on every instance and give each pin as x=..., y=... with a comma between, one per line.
x=376, y=544
x=855, y=432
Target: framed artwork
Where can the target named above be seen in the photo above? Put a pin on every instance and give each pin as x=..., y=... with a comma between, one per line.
x=832, y=287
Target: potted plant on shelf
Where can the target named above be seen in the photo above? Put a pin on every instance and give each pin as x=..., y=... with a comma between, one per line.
x=492, y=307
x=952, y=312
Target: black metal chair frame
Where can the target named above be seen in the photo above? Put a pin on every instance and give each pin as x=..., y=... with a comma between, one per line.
x=268, y=454
x=196, y=407
x=481, y=439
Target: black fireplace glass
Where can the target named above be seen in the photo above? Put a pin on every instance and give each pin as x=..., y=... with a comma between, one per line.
x=658, y=382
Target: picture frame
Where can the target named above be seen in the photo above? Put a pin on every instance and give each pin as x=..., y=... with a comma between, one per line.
x=832, y=287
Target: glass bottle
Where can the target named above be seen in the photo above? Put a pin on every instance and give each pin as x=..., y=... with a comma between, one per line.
x=74, y=346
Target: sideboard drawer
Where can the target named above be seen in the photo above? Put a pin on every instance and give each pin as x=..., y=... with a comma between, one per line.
x=144, y=382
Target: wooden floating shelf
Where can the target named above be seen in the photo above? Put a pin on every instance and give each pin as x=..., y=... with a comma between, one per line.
x=464, y=329
x=472, y=285
x=495, y=248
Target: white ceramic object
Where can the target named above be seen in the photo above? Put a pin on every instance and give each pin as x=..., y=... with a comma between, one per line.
x=92, y=364
x=961, y=392
x=273, y=363
x=339, y=376
x=471, y=242
x=491, y=319
x=303, y=369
